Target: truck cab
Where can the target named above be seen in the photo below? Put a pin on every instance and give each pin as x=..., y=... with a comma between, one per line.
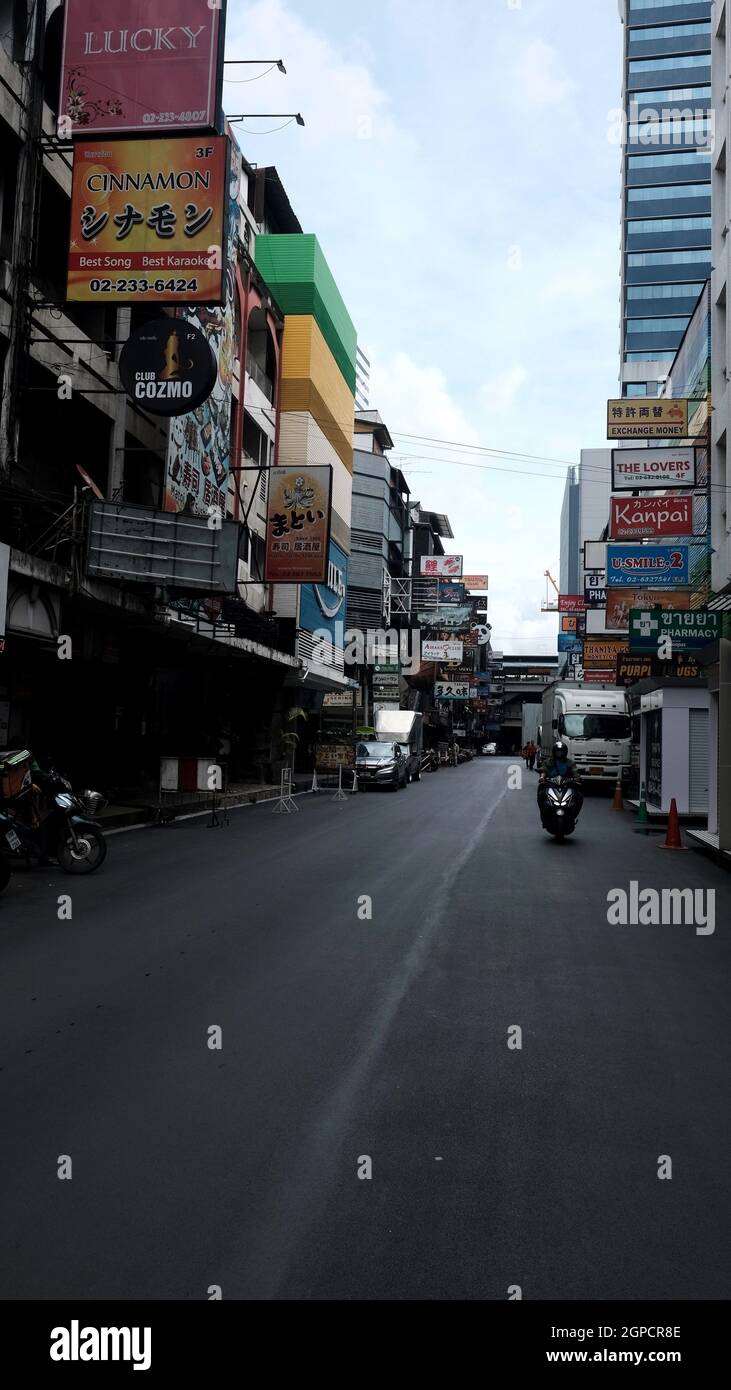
x=596, y=727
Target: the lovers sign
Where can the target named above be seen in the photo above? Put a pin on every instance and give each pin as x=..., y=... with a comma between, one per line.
x=640, y=470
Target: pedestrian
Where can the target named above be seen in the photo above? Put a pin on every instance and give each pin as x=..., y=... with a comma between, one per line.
x=531, y=750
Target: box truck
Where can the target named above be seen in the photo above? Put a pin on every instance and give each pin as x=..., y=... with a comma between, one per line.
x=595, y=725
x=406, y=727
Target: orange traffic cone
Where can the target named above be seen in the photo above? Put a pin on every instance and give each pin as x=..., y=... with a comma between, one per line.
x=673, y=839
x=618, y=803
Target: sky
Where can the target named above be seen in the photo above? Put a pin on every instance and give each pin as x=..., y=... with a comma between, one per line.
x=460, y=169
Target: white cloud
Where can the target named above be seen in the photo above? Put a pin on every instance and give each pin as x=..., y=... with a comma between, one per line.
x=416, y=398
x=337, y=95
x=538, y=78
x=499, y=394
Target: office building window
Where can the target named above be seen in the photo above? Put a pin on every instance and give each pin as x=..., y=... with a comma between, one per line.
x=651, y=258
x=672, y=291
x=662, y=4
x=662, y=161
x=650, y=355
x=636, y=388
x=672, y=224
x=687, y=190
x=697, y=30
x=687, y=60
x=656, y=325
x=671, y=94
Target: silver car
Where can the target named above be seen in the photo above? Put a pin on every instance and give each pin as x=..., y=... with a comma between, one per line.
x=380, y=765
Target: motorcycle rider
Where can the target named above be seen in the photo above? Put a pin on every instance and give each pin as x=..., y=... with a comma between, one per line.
x=558, y=764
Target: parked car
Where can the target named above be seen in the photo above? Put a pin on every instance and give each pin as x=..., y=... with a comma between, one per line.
x=380, y=764
x=489, y=750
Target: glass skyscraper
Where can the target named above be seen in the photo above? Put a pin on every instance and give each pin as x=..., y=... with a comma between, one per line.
x=666, y=181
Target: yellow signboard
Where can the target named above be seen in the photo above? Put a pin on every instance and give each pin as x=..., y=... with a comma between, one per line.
x=648, y=418
x=147, y=221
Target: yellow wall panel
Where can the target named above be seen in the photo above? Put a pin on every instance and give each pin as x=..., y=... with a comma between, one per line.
x=306, y=356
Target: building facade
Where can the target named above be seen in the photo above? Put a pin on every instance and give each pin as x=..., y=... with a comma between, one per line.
x=668, y=130
x=154, y=668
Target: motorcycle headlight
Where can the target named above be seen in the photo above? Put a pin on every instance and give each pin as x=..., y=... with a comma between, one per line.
x=553, y=794
x=92, y=802
x=64, y=801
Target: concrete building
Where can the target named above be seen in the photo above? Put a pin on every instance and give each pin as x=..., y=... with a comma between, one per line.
x=666, y=181
x=381, y=533
x=570, y=570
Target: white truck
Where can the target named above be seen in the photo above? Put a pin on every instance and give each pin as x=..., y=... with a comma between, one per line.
x=595, y=725
x=406, y=727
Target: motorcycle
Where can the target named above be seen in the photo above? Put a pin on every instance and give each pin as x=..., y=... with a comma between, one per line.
x=430, y=760
x=560, y=802
x=48, y=820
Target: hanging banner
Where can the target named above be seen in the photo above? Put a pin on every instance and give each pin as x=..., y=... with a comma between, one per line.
x=148, y=222
x=657, y=566
x=450, y=690
x=636, y=667
x=446, y=566
x=620, y=602
x=449, y=618
x=568, y=643
x=571, y=603
x=600, y=653
x=121, y=74
x=168, y=367
x=595, y=589
x=659, y=419
x=298, y=525
x=687, y=630
x=638, y=470
x=432, y=650
x=633, y=518
x=199, y=443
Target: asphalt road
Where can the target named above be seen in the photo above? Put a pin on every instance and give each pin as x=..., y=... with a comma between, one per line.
x=346, y=1038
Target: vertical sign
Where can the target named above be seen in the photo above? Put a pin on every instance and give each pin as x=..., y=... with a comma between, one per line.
x=199, y=443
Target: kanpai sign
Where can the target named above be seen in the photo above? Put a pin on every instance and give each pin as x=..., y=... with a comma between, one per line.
x=635, y=517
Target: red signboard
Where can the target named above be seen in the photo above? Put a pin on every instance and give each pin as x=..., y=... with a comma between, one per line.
x=129, y=65
x=571, y=603
x=632, y=518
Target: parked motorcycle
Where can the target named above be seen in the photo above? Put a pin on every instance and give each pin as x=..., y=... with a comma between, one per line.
x=430, y=760
x=560, y=802
x=48, y=820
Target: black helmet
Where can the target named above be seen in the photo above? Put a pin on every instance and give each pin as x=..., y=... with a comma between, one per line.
x=560, y=751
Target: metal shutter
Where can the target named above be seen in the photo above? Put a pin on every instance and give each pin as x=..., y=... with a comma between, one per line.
x=698, y=761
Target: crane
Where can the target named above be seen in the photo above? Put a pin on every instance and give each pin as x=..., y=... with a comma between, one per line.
x=548, y=606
